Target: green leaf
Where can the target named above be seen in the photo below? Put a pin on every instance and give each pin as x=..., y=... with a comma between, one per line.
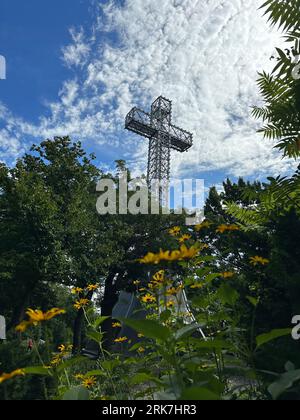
x=96, y=372
x=71, y=362
x=110, y=365
x=201, y=272
x=165, y=315
x=148, y=328
x=210, y=277
x=285, y=382
x=212, y=344
x=273, y=335
x=186, y=331
x=95, y=336
x=289, y=366
x=253, y=301
x=36, y=370
x=227, y=294
x=142, y=377
x=199, y=394
x=99, y=321
x=78, y=393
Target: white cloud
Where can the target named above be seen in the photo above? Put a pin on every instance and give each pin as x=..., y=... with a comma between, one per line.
x=203, y=54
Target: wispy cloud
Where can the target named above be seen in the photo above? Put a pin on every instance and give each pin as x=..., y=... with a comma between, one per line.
x=203, y=54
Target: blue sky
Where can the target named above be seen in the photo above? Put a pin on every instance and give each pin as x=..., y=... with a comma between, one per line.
x=31, y=36
x=76, y=67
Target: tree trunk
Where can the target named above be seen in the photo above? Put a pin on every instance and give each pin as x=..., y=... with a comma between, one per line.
x=19, y=312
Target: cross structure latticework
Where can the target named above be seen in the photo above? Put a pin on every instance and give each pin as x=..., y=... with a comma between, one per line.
x=162, y=134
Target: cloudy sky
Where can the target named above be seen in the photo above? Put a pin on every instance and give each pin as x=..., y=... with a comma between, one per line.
x=76, y=67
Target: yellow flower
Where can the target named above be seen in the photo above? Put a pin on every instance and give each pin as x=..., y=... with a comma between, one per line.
x=175, y=256
x=140, y=335
x=40, y=316
x=184, y=238
x=197, y=286
x=159, y=276
x=6, y=376
x=172, y=291
x=79, y=376
x=62, y=348
x=189, y=252
x=76, y=290
x=175, y=231
x=22, y=327
x=79, y=304
x=203, y=225
x=171, y=304
x=116, y=325
x=227, y=228
x=259, y=260
x=92, y=287
x=178, y=255
x=148, y=298
x=227, y=274
x=89, y=382
x=37, y=316
x=136, y=283
x=121, y=340
x=141, y=350
x=56, y=360
x=150, y=258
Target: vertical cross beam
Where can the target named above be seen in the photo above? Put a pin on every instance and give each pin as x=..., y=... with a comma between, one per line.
x=159, y=155
x=163, y=136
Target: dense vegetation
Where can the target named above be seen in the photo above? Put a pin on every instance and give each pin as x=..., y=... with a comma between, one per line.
x=239, y=270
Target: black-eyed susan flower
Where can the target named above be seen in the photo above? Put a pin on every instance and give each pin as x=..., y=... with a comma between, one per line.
x=259, y=260
x=197, y=286
x=170, y=304
x=227, y=228
x=172, y=291
x=89, y=382
x=40, y=316
x=140, y=335
x=116, y=325
x=159, y=277
x=56, y=360
x=76, y=290
x=150, y=258
x=136, y=283
x=22, y=327
x=62, y=348
x=92, y=287
x=6, y=376
x=184, y=238
x=79, y=376
x=121, y=340
x=37, y=316
x=141, y=350
x=81, y=303
x=203, y=225
x=227, y=274
x=178, y=255
x=188, y=253
x=175, y=231
x=148, y=298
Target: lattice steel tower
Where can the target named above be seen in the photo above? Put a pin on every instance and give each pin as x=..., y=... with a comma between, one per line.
x=162, y=134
